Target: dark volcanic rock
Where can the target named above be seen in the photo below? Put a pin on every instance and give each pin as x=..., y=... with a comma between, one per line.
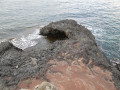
x=76, y=34
x=73, y=43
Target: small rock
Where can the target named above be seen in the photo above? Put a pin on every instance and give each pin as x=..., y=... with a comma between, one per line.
x=24, y=89
x=45, y=86
x=16, y=66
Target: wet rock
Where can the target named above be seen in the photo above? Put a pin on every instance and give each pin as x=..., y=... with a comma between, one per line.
x=119, y=67
x=5, y=46
x=115, y=61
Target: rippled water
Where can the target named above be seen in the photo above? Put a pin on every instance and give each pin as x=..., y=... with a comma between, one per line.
x=102, y=17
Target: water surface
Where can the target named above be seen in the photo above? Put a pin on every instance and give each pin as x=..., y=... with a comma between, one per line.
x=102, y=17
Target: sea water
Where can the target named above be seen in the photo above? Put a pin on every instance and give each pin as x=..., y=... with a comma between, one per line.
x=101, y=17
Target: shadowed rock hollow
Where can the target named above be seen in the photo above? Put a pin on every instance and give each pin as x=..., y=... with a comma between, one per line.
x=73, y=61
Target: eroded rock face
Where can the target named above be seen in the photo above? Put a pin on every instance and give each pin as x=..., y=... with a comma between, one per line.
x=73, y=61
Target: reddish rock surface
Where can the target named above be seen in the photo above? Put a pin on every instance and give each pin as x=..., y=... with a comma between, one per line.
x=78, y=76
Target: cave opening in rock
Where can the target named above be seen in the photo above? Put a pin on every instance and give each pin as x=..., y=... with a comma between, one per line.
x=55, y=34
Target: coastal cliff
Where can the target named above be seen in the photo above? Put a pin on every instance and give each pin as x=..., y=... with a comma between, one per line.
x=72, y=61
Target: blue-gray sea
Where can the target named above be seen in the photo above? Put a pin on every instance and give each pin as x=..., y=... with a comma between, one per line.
x=101, y=17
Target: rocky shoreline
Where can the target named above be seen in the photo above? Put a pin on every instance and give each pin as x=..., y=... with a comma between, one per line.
x=72, y=61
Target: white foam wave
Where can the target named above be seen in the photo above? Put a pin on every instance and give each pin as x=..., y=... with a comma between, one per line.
x=26, y=41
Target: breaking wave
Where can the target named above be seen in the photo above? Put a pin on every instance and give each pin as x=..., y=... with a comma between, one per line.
x=27, y=40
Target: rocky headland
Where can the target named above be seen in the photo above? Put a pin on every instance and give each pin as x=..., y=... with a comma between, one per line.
x=72, y=62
